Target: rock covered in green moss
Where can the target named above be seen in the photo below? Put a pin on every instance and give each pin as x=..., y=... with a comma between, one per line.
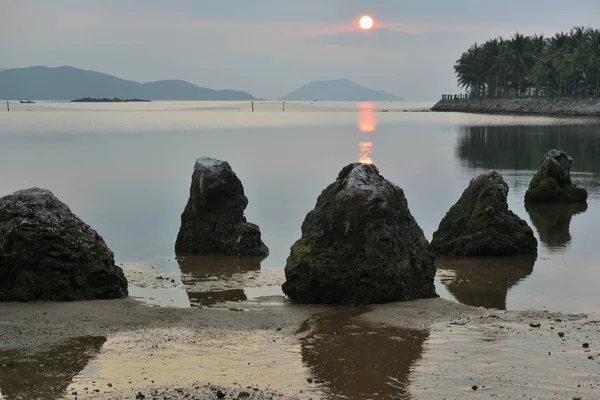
x=552, y=182
x=480, y=223
x=48, y=253
x=213, y=222
x=360, y=245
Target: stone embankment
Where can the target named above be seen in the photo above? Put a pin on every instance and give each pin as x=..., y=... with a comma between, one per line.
x=528, y=106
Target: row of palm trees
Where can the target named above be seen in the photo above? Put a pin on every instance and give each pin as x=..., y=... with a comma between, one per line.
x=564, y=65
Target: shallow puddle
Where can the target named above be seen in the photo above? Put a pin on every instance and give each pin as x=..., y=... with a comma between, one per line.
x=360, y=362
x=483, y=282
x=332, y=356
x=45, y=375
x=206, y=282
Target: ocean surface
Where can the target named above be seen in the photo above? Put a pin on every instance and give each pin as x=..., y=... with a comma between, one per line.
x=125, y=169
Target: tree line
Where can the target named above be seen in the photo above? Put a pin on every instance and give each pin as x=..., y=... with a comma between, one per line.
x=564, y=65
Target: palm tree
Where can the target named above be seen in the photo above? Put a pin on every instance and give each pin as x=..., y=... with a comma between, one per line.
x=563, y=63
x=594, y=57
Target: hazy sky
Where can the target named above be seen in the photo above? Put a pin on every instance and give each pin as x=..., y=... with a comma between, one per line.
x=271, y=47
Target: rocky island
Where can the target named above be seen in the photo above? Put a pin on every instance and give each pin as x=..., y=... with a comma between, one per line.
x=107, y=100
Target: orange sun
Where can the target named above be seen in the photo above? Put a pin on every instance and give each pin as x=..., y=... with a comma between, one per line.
x=366, y=22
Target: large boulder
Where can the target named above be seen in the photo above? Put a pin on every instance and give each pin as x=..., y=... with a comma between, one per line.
x=48, y=253
x=480, y=224
x=213, y=221
x=360, y=245
x=552, y=182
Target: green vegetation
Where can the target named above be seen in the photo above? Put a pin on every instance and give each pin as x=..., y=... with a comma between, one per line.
x=564, y=65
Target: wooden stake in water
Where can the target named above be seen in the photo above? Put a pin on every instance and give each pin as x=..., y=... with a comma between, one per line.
x=252, y=106
x=7, y=107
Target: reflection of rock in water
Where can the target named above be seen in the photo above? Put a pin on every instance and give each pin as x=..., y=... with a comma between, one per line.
x=552, y=221
x=45, y=375
x=483, y=282
x=212, y=280
x=354, y=361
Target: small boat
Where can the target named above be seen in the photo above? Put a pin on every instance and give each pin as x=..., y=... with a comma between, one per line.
x=26, y=102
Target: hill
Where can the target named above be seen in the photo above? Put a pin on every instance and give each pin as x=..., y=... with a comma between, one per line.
x=68, y=83
x=338, y=90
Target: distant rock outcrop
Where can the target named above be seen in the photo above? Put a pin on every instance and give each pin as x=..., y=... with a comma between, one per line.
x=338, y=90
x=47, y=253
x=552, y=182
x=480, y=223
x=213, y=221
x=360, y=245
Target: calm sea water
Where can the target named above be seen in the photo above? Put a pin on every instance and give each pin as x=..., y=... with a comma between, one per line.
x=125, y=169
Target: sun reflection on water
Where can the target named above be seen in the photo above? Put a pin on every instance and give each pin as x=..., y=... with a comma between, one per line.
x=367, y=123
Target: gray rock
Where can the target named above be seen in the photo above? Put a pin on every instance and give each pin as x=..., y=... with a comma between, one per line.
x=213, y=221
x=360, y=245
x=552, y=182
x=48, y=253
x=480, y=223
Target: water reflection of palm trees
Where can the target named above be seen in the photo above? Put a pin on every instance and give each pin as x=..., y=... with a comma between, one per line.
x=552, y=222
x=522, y=147
x=483, y=282
x=212, y=280
x=355, y=361
x=367, y=123
x=45, y=375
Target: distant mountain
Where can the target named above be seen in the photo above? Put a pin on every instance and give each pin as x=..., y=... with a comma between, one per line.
x=338, y=90
x=68, y=83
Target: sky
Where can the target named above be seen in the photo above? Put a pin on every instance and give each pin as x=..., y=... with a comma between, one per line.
x=271, y=47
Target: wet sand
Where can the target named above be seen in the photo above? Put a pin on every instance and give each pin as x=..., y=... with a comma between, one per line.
x=424, y=350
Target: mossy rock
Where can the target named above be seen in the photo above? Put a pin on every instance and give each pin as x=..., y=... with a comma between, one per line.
x=360, y=245
x=480, y=224
x=47, y=253
x=552, y=182
x=213, y=222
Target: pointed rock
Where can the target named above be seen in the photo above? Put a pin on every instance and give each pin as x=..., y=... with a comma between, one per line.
x=480, y=223
x=360, y=245
x=552, y=182
x=48, y=253
x=213, y=222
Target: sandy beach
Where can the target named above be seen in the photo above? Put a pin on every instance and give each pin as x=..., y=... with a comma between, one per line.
x=426, y=349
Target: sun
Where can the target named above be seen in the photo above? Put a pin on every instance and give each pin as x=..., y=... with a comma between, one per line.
x=366, y=22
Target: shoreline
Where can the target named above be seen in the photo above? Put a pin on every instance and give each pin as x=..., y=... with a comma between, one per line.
x=115, y=349
x=563, y=107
